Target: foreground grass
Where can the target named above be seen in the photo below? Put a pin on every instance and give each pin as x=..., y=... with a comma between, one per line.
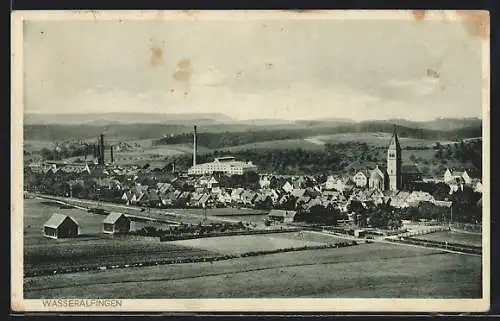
x=364, y=271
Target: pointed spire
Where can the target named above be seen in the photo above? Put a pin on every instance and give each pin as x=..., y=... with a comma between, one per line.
x=394, y=140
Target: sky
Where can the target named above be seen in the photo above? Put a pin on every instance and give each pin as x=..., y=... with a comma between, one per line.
x=247, y=69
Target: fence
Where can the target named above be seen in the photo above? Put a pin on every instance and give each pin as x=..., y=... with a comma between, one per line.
x=426, y=231
x=476, y=228
x=471, y=249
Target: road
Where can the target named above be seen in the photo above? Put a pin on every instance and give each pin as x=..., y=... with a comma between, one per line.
x=157, y=214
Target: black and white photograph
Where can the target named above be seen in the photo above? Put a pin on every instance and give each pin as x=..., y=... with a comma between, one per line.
x=250, y=160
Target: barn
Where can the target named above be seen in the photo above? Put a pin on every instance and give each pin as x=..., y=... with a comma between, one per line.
x=282, y=216
x=61, y=226
x=116, y=223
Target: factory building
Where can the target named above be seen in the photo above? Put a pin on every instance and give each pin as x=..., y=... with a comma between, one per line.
x=224, y=165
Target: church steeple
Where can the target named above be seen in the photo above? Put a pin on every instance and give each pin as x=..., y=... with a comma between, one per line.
x=394, y=144
x=394, y=163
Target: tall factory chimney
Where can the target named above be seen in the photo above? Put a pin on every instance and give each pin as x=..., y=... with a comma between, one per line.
x=111, y=153
x=194, y=146
x=101, y=154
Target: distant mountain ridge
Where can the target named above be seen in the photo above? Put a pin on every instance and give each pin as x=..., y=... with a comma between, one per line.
x=201, y=119
x=124, y=118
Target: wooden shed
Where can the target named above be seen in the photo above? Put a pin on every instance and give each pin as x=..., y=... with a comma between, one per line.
x=282, y=216
x=116, y=223
x=61, y=226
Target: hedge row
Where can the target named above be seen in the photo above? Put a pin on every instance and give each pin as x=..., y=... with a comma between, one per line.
x=185, y=260
x=301, y=248
x=450, y=246
x=170, y=237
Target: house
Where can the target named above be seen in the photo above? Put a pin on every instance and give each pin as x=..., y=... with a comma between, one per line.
x=248, y=197
x=287, y=187
x=442, y=203
x=127, y=196
x=399, y=200
x=361, y=178
x=264, y=182
x=417, y=197
x=283, y=199
x=271, y=193
x=116, y=223
x=456, y=176
x=312, y=202
x=61, y=226
x=150, y=198
x=236, y=194
x=338, y=184
x=312, y=191
x=377, y=196
x=301, y=201
x=168, y=198
x=183, y=199
x=298, y=192
x=200, y=200
x=282, y=216
x=224, y=198
x=205, y=200
x=378, y=179
x=478, y=187
x=195, y=199
x=212, y=183
x=164, y=187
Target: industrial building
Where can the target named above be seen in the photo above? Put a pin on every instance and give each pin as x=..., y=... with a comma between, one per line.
x=224, y=165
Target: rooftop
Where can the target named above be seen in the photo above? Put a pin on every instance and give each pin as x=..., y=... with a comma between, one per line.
x=56, y=219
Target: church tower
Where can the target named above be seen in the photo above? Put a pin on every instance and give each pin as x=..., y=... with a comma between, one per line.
x=394, y=163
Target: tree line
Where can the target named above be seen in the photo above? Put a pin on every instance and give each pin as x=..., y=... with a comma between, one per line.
x=227, y=139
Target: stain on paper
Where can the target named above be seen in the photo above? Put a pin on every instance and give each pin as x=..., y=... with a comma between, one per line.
x=431, y=73
x=476, y=22
x=156, y=55
x=419, y=15
x=183, y=72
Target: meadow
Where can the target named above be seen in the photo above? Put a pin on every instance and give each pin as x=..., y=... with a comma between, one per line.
x=245, y=243
x=366, y=271
x=454, y=237
x=376, y=139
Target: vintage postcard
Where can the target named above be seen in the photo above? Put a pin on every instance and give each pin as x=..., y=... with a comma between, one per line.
x=250, y=161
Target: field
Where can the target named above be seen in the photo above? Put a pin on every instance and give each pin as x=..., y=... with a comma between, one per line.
x=277, y=144
x=245, y=243
x=92, y=247
x=376, y=139
x=364, y=271
x=454, y=237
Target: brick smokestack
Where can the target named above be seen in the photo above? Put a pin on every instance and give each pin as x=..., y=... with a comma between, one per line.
x=111, y=154
x=101, y=154
x=194, y=146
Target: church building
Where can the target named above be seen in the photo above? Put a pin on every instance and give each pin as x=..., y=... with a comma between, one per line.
x=394, y=176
